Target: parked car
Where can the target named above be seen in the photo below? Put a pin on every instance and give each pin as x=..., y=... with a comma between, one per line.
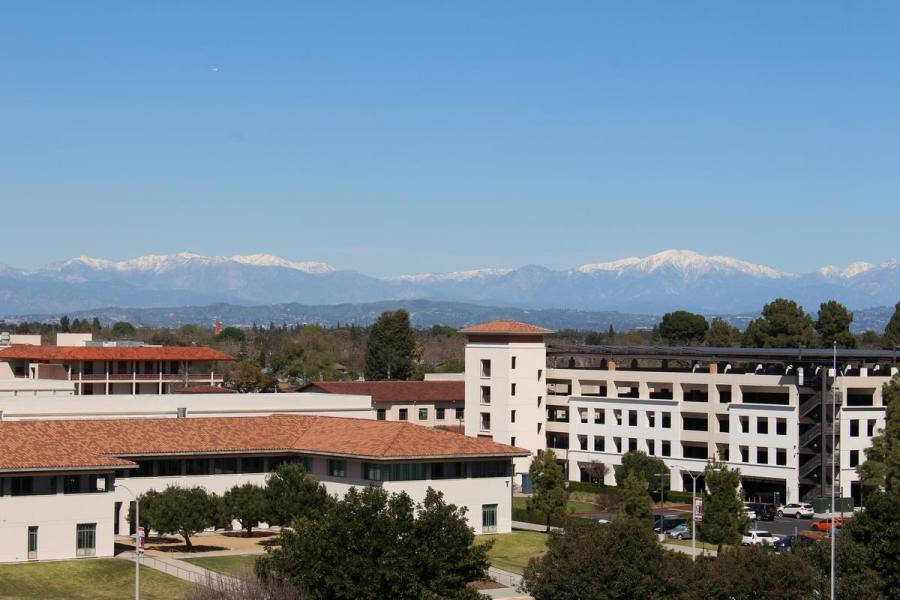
x=681, y=532
x=827, y=523
x=665, y=522
x=748, y=510
x=758, y=538
x=763, y=511
x=799, y=510
x=785, y=543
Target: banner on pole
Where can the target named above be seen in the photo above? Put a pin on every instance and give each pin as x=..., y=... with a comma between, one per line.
x=698, y=508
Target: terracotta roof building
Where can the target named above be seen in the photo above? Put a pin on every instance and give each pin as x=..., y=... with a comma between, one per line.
x=431, y=403
x=57, y=489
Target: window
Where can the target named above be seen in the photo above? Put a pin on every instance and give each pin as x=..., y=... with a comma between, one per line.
x=651, y=418
x=485, y=394
x=582, y=442
x=485, y=367
x=448, y=470
x=485, y=421
x=745, y=454
x=491, y=468
x=723, y=423
x=540, y=399
x=781, y=426
x=854, y=428
x=371, y=472
x=252, y=464
x=168, y=468
x=197, y=466
x=632, y=445
x=854, y=458
x=86, y=539
x=870, y=427
x=781, y=457
x=618, y=416
x=403, y=414
x=32, y=543
x=599, y=443
x=666, y=448
x=651, y=447
x=381, y=414
x=618, y=442
x=762, y=456
x=224, y=466
x=540, y=374
x=489, y=518
x=599, y=416
x=439, y=414
x=460, y=414
x=337, y=468
x=512, y=364
x=146, y=468
x=22, y=486
x=423, y=414
x=407, y=471
x=745, y=425
x=538, y=427
x=667, y=421
x=512, y=416
x=71, y=484
x=512, y=389
x=762, y=425
x=512, y=441
x=583, y=415
x=632, y=418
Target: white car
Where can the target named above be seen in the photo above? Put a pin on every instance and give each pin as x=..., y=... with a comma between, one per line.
x=798, y=511
x=759, y=538
x=751, y=514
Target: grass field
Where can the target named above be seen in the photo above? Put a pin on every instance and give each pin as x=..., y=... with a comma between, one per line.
x=511, y=551
x=235, y=565
x=574, y=505
x=91, y=579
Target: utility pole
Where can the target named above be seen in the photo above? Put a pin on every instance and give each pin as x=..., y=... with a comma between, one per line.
x=833, y=461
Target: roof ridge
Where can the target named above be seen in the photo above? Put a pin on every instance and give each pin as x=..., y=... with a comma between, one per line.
x=401, y=429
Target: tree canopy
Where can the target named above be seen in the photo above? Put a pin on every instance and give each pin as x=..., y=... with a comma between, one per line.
x=636, y=501
x=723, y=516
x=371, y=545
x=683, y=328
x=652, y=470
x=180, y=511
x=248, y=504
x=549, y=495
x=291, y=493
x=722, y=335
x=247, y=376
x=881, y=469
x=783, y=324
x=892, y=329
x=391, y=347
x=833, y=325
x=123, y=329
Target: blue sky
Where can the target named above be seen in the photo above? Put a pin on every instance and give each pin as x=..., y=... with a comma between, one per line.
x=402, y=137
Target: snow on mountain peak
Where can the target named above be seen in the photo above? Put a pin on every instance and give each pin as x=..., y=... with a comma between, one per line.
x=453, y=276
x=165, y=262
x=687, y=261
x=852, y=270
x=270, y=260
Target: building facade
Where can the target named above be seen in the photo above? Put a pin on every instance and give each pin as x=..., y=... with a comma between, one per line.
x=766, y=412
x=66, y=485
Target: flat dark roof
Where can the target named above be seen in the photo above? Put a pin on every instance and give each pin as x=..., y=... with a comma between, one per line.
x=703, y=353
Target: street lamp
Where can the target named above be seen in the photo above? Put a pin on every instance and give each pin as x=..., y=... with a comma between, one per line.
x=694, y=479
x=137, y=540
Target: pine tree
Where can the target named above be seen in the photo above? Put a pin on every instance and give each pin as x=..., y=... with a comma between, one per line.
x=892, y=330
x=549, y=497
x=391, y=347
x=723, y=515
x=636, y=501
x=833, y=325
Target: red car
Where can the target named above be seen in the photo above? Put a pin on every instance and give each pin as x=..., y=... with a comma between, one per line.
x=826, y=524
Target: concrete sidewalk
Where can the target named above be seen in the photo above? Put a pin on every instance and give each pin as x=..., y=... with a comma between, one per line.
x=532, y=527
x=180, y=569
x=513, y=580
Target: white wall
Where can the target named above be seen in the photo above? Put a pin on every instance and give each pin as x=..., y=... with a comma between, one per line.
x=848, y=443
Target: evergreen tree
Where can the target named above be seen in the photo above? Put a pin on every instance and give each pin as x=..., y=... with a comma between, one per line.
x=783, y=325
x=636, y=501
x=892, y=329
x=683, y=328
x=881, y=468
x=96, y=327
x=64, y=324
x=877, y=529
x=833, y=325
x=391, y=347
x=248, y=504
x=292, y=494
x=181, y=511
x=723, y=511
x=722, y=335
x=123, y=329
x=549, y=496
x=610, y=334
x=649, y=468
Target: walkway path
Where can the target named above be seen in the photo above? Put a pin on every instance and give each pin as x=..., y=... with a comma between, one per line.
x=513, y=580
x=688, y=550
x=532, y=526
x=180, y=569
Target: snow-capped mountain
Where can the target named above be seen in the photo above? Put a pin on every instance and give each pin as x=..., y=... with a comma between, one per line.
x=669, y=280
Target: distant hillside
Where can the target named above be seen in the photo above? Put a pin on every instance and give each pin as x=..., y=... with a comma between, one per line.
x=425, y=313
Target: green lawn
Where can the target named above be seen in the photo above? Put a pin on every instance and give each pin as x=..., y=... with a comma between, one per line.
x=89, y=579
x=234, y=565
x=575, y=505
x=511, y=551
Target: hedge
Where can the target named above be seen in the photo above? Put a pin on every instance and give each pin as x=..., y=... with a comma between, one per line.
x=593, y=488
x=530, y=516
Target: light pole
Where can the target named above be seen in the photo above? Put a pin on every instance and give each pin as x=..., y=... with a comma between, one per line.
x=137, y=540
x=833, y=461
x=694, y=479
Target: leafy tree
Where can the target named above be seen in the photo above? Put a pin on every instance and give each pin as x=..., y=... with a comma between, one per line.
x=723, y=511
x=595, y=338
x=648, y=468
x=597, y=471
x=892, y=329
x=96, y=327
x=146, y=499
x=783, y=325
x=390, y=347
x=231, y=334
x=123, y=329
x=833, y=325
x=877, y=529
x=751, y=573
x=291, y=494
x=182, y=511
x=683, y=328
x=636, y=501
x=64, y=324
x=549, y=496
x=248, y=504
x=621, y=560
x=722, y=335
x=853, y=567
x=371, y=545
x=881, y=468
x=248, y=377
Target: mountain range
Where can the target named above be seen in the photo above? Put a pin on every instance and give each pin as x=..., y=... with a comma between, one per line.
x=669, y=280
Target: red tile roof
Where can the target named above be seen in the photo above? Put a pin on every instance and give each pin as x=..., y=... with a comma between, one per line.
x=85, y=444
x=76, y=353
x=394, y=391
x=204, y=389
x=511, y=327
